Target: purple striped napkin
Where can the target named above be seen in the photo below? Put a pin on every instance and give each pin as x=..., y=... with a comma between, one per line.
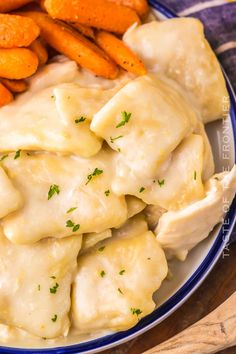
x=219, y=19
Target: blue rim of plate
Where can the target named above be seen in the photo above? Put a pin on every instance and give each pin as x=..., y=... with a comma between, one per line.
x=182, y=294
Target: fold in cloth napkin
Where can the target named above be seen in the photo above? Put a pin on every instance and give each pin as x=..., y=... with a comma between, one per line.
x=219, y=19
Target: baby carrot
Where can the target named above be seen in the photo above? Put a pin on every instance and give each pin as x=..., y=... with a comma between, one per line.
x=5, y=95
x=120, y=53
x=17, y=31
x=140, y=6
x=84, y=30
x=15, y=86
x=39, y=49
x=102, y=14
x=17, y=63
x=72, y=44
x=9, y=5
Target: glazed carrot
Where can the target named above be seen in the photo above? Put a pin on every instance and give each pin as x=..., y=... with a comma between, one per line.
x=9, y=5
x=140, y=6
x=120, y=53
x=84, y=30
x=5, y=95
x=17, y=63
x=15, y=86
x=101, y=14
x=17, y=31
x=72, y=44
x=39, y=49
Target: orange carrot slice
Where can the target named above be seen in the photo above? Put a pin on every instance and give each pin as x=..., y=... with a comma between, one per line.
x=5, y=95
x=140, y=6
x=101, y=14
x=17, y=63
x=120, y=53
x=17, y=31
x=9, y=5
x=39, y=49
x=15, y=86
x=72, y=44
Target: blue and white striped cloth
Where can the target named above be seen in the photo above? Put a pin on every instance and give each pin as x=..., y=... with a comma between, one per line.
x=219, y=19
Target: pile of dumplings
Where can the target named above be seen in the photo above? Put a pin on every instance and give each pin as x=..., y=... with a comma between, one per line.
x=102, y=181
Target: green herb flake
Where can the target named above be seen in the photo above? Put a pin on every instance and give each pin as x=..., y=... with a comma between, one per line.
x=39, y=287
x=122, y=272
x=54, y=189
x=195, y=175
x=75, y=227
x=53, y=290
x=120, y=291
x=80, y=120
x=142, y=189
x=135, y=311
x=96, y=172
x=17, y=154
x=101, y=248
x=161, y=182
x=149, y=258
x=113, y=139
x=70, y=210
x=102, y=273
x=125, y=119
x=54, y=318
x=3, y=157
x=53, y=97
x=53, y=277
x=107, y=193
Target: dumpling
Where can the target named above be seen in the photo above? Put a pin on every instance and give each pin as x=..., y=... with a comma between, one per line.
x=113, y=287
x=93, y=238
x=180, y=183
x=178, y=49
x=10, y=197
x=43, y=121
x=134, y=205
x=179, y=231
x=63, y=196
x=35, y=284
x=208, y=158
x=146, y=134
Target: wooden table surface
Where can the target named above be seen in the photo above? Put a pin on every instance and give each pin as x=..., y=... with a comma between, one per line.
x=218, y=286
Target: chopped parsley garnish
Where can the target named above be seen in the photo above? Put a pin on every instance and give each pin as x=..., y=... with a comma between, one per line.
x=135, y=311
x=80, y=120
x=54, y=189
x=102, y=273
x=122, y=272
x=117, y=137
x=120, y=291
x=53, y=277
x=142, y=189
x=39, y=287
x=53, y=97
x=107, y=193
x=102, y=248
x=96, y=172
x=125, y=119
x=70, y=210
x=17, y=154
x=119, y=150
x=53, y=290
x=75, y=227
x=149, y=258
x=3, y=157
x=195, y=175
x=161, y=182
x=54, y=318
